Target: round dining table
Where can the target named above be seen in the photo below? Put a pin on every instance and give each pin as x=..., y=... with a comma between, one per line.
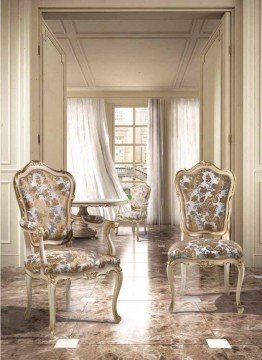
x=82, y=226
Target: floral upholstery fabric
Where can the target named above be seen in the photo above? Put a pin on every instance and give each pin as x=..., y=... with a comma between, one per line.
x=45, y=197
x=70, y=261
x=205, y=195
x=203, y=248
x=28, y=225
x=139, y=195
x=131, y=215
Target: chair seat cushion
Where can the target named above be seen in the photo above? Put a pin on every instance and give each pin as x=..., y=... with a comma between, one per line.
x=130, y=215
x=70, y=261
x=204, y=248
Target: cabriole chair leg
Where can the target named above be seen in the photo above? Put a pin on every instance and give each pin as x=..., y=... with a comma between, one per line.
x=226, y=278
x=116, y=228
x=52, y=307
x=241, y=273
x=170, y=276
x=118, y=275
x=28, y=281
x=137, y=231
x=145, y=227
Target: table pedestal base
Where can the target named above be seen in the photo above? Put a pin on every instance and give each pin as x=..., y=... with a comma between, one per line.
x=80, y=228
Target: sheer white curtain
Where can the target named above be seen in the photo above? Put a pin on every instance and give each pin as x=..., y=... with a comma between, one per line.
x=185, y=135
x=155, y=161
x=89, y=158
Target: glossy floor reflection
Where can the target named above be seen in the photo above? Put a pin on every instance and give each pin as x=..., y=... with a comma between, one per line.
x=147, y=330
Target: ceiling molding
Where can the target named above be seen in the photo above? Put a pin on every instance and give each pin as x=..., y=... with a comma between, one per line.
x=134, y=94
x=193, y=32
x=189, y=54
x=129, y=35
x=181, y=85
x=131, y=88
x=113, y=14
x=79, y=53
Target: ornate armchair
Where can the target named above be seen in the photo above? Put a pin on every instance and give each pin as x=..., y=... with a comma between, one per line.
x=205, y=194
x=138, y=213
x=45, y=197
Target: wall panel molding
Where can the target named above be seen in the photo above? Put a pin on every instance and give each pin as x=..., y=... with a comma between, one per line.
x=79, y=35
x=15, y=133
x=6, y=85
x=5, y=188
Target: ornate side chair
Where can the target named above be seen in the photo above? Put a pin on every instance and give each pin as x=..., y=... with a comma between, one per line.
x=205, y=194
x=45, y=197
x=138, y=213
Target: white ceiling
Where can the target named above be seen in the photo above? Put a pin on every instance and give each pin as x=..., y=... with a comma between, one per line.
x=145, y=54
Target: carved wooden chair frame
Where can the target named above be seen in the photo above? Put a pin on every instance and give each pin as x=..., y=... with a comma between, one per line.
x=135, y=223
x=223, y=234
x=52, y=279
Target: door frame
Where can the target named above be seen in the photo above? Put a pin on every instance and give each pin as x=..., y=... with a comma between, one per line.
x=40, y=52
x=225, y=126
x=38, y=7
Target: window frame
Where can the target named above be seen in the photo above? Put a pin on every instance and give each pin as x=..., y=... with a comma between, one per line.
x=134, y=145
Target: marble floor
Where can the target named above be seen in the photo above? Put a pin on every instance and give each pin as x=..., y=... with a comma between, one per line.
x=147, y=330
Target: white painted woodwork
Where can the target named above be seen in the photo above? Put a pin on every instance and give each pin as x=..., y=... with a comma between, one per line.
x=53, y=127
x=252, y=139
x=132, y=54
x=215, y=96
x=14, y=125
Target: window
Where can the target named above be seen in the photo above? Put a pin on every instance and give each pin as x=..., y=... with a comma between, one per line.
x=130, y=144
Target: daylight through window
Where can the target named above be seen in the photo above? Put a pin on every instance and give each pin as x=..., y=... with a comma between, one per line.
x=130, y=144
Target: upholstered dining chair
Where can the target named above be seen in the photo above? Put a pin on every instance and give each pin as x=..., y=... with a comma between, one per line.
x=205, y=194
x=45, y=196
x=138, y=213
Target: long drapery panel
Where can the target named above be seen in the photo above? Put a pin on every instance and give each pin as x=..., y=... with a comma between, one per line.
x=185, y=148
x=155, y=177
x=88, y=153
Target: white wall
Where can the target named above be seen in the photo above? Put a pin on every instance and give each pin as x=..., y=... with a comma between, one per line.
x=14, y=126
x=252, y=139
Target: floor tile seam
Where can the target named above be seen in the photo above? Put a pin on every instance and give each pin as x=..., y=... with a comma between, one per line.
x=138, y=262
x=84, y=308
x=128, y=344
x=123, y=344
x=203, y=316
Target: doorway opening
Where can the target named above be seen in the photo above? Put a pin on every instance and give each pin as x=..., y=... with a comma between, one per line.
x=128, y=58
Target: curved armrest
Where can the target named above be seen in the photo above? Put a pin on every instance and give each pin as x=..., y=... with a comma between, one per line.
x=73, y=218
x=33, y=228
x=144, y=205
x=143, y=209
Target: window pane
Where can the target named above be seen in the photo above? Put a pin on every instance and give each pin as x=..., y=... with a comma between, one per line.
x=141, y=135
x=123, y=116
x=141, y=116
x=140, y=154
x=123, y=135
x=125, y=170
x=123, y=153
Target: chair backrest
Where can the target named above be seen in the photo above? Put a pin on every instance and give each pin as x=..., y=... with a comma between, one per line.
x=205, y=194
x=45, y=196
x=139, y=195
